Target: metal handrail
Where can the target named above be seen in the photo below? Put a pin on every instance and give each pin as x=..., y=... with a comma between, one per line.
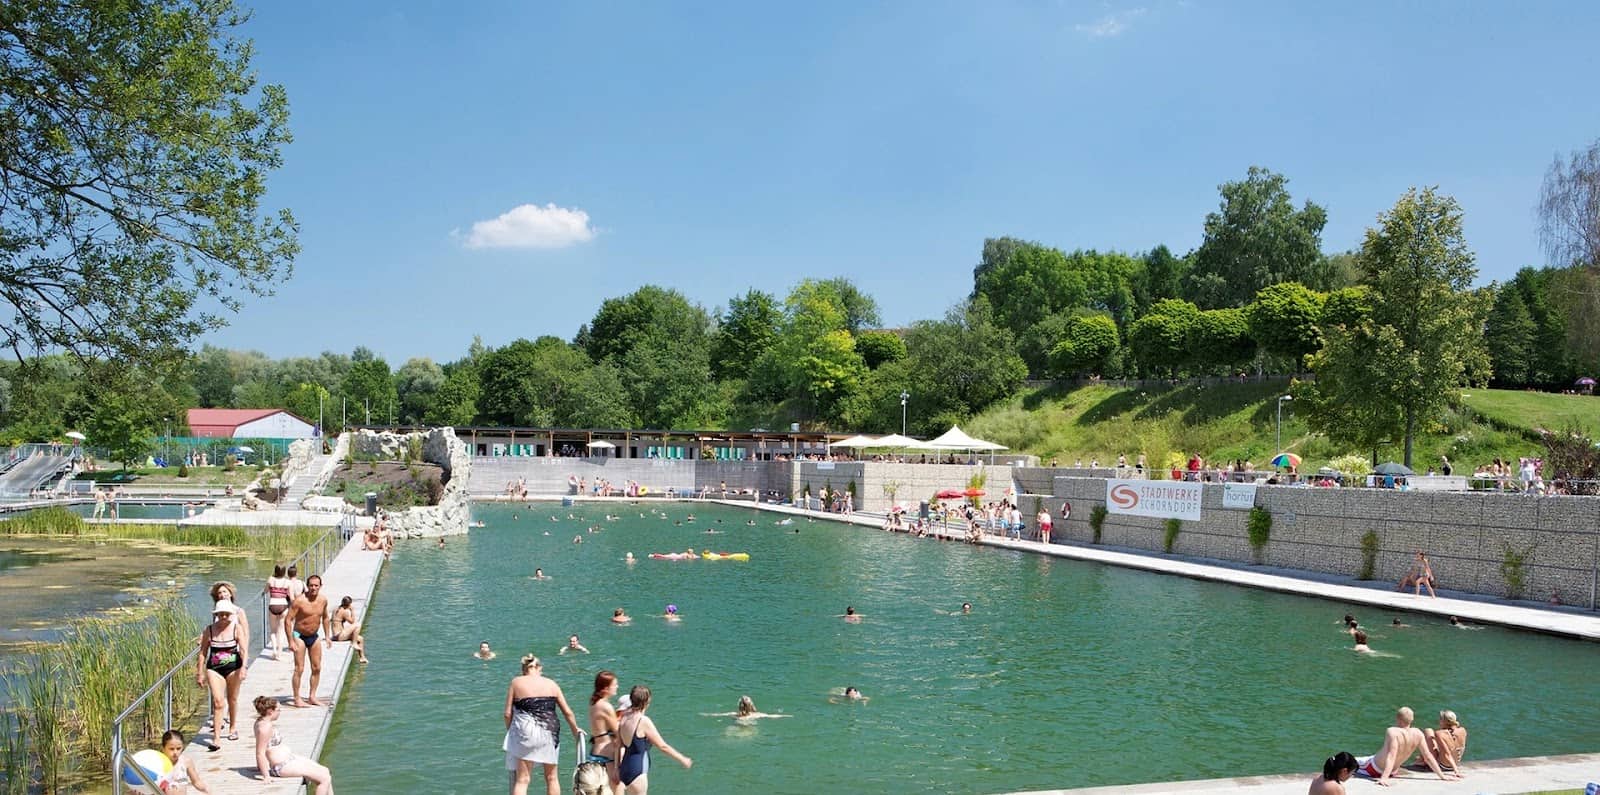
x=316, y=559
x=125, y=759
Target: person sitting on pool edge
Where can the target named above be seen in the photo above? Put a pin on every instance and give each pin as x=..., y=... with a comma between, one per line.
x=1335, y=772
x=1448, y=742
x=1400, y=742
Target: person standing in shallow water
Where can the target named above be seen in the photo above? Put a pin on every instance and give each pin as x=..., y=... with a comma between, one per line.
x=636, y=734
x=533, y=735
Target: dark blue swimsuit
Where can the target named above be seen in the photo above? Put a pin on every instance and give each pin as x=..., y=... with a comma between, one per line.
x=635, y=757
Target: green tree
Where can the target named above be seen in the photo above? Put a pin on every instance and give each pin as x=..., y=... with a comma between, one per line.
x=306, y=399
x=1256, y=239
x=417, y=382
x=456, y=402
x=1569, y=210
x=369, y=388
x=123, y=408
x=878, y=347
x=1162, y=277
x=860, y=310
x=1037, y=343
x=549, y=383
x=1510, y=335
x=1033, y=282
x=1162, y=337
x=1087, y=344
x=1425, y=336
x=1350, y=307
x=1220, y=341
x=1285, y=321
x=748, y=329
x=663, y=342
x=134, y=150
x=813, y=364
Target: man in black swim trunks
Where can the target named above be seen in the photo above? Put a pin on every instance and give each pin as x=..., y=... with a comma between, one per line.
x=309, y=617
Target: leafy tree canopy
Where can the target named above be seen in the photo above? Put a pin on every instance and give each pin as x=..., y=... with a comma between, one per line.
x=134, y=150
x=1257, y=238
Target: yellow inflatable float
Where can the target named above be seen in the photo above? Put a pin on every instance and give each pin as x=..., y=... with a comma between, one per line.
x=725, y=555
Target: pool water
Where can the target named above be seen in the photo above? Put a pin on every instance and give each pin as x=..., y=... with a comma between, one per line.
x=1067, y=674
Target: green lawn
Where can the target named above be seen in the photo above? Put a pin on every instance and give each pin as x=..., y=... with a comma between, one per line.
x=1237, y=421
x=1535, y=409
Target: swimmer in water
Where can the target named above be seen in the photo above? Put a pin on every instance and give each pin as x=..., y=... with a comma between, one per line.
x=516, y=516
x=629, y=558
x=712, y=531
x=538, y=574
x=748, y=522
x=850, y=616
x=966, y=608
x=553, y=518
x=746, y=712
x=573, y=645
x=689, y=518
x=484, y=652
x=577, y=539
x=441, y=542
x=619, y=617
x=1361, y=642
x=672, y=613
x=846, y=696
x=611, y=518
x=1397, y=625
x=784, y=522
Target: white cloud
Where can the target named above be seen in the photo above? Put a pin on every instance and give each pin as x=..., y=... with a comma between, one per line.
x=1111, y=24
x=532, y=226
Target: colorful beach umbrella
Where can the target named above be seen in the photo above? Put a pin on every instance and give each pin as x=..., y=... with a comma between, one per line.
x=1286, y=460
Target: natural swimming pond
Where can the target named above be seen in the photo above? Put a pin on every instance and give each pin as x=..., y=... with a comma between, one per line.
x=1067, y=674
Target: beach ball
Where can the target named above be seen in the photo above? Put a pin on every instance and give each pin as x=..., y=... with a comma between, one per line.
x=155, y=764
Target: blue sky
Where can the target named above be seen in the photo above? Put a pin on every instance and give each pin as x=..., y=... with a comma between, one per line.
x=716, y=148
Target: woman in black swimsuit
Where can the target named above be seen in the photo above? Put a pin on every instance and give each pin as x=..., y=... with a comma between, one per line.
x=221, y=665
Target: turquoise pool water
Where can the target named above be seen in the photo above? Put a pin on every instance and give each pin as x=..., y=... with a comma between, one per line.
x=1067, y=674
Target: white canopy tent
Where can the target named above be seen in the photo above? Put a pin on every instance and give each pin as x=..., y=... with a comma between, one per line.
x=855, y=441
x=895, y=441
x=957, y=439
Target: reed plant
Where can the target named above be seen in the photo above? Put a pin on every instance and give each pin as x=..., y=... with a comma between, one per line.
x=67, y=697
x=273, y=544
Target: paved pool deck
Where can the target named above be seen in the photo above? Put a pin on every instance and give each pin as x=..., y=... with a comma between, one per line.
x=1528, y=774
x=232, y=769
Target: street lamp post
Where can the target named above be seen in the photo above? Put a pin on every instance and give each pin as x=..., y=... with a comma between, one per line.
x=166, y=453
x=1280, y=420
x=904, y=396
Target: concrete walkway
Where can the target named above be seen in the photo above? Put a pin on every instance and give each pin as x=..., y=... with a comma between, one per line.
x=1529, y=774
x=354, y=572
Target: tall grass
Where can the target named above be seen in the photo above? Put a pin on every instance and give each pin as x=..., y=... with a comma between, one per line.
x=67, y=696
x=272, y=543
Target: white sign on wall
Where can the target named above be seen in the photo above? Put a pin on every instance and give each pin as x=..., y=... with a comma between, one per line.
x=1239, y=496
x=1162, y=499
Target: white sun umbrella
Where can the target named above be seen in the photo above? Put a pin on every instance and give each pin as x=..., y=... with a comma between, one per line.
x=601, y=444
x=74, y=435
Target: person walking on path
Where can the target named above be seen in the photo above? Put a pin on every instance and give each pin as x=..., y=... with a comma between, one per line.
x=533, y=736
x=309, y=618
x=221, y=667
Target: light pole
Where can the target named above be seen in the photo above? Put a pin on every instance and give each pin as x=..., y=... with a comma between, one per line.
x=1280, y=420
x=904, y=396
x=167, y=448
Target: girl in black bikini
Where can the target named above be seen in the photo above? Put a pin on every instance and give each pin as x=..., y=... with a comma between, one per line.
x=222, y=666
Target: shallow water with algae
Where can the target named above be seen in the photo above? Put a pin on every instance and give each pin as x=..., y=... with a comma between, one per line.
x=1066, y=674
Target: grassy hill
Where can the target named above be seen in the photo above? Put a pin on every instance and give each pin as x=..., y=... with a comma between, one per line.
x=1224, y=422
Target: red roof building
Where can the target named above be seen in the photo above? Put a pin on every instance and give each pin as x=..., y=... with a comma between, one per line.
x=248, y=424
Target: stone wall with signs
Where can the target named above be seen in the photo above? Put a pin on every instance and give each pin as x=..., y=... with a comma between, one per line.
x=1467, y=535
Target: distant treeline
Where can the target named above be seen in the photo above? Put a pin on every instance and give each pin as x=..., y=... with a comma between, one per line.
x=1257, y=296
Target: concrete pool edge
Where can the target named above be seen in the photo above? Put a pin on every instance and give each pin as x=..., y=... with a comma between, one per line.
x=1525, y=774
